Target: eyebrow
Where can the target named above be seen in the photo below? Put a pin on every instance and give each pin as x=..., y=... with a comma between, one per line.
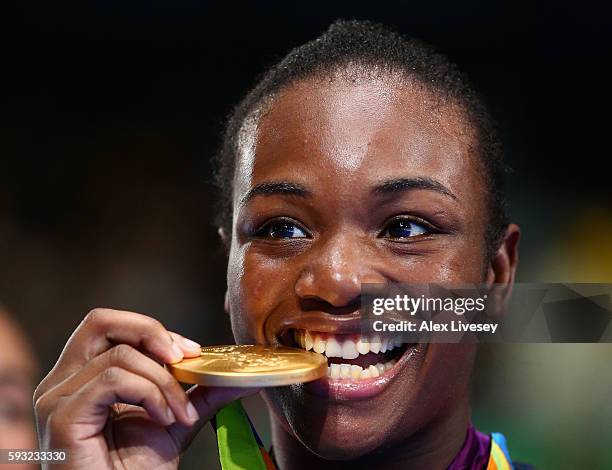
x=271, y=188
x=398, y=185
x=392, y=186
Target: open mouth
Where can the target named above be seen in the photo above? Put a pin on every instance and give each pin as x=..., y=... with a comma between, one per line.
x=350, y=357
x=359, y=366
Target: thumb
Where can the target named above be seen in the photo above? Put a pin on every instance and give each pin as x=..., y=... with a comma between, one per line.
x=207, y=401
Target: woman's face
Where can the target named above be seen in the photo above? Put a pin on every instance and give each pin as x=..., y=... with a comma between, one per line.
x=341, y=183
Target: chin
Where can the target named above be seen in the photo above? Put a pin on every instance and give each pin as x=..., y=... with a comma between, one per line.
x=333, y=431
x=349, y=418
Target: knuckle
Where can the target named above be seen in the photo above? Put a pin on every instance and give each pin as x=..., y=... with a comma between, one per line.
x=120, y=354
x=41, y=405
x=111, y=376
x=95, y=315
x=168, y=382
x=155, y=330
x=158, y=398
x=155, y=325
x=38, y=392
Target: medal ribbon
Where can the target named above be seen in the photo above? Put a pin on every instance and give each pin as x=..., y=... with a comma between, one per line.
x=240, y=448
x=499, y=458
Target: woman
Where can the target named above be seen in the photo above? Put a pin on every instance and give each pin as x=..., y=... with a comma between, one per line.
x=361, y=158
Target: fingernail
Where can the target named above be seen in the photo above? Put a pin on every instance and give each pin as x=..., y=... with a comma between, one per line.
x=190, y=344
x=177, y=353
x=192, y=412
x=170, y=415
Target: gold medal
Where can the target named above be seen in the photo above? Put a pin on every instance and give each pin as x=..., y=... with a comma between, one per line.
x=250, y=366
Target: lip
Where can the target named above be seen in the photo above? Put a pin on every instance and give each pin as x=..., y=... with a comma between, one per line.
x=347, y=390
x=280, y=323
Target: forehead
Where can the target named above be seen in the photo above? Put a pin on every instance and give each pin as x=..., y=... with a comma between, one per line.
x=358, y=132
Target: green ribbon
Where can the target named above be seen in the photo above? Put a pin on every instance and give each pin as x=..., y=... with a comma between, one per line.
x=238, y=447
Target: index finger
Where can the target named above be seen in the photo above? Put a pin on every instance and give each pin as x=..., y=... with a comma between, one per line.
x=102, y=329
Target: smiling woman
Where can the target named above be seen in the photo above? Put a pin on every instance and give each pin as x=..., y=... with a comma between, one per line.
x=362, y=157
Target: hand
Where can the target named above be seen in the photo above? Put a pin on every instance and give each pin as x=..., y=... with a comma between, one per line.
x=112, y=406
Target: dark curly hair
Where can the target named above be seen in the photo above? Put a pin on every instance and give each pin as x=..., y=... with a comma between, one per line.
x=371, y=47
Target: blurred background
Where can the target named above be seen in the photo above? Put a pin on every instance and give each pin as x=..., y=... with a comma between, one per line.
x=111, y=111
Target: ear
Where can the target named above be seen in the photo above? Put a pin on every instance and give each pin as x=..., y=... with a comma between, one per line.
x=226, y=244
x=226, y=302
x=225, y=240
x=502, y=270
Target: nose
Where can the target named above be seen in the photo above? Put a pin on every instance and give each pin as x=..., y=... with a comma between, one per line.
x=336, y=270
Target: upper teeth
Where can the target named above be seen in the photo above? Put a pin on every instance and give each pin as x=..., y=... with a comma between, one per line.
x=347, y=348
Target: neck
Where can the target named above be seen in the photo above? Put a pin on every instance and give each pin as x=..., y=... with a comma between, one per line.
x=433, y=447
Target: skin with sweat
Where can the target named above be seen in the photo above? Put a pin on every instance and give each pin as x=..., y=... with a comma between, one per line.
x=309, y=249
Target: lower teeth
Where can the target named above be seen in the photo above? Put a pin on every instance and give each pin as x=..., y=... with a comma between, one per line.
x=354, y=372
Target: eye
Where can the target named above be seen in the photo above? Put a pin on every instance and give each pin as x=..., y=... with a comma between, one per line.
x=404, y=228
x=281, y=229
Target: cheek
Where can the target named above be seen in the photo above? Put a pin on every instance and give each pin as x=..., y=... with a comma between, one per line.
x=458, y=261
x=462, y=265
x=256, y=287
